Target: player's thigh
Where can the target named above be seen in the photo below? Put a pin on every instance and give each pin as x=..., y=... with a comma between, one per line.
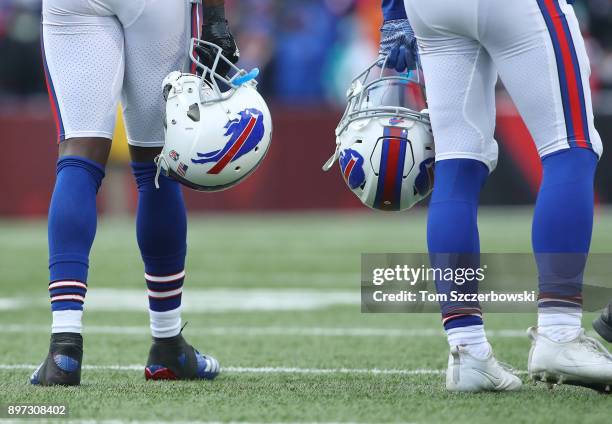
x=460, y=81
x=541, y=58
x=83, y=59
x=151, y=54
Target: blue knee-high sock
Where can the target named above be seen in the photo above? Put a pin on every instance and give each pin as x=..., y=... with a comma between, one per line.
x=161, y=230
x=561, y=233
x=72, y=228
x=452, y=232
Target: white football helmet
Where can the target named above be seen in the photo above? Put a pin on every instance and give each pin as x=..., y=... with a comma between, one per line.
x=214, y=138
x=384, y=146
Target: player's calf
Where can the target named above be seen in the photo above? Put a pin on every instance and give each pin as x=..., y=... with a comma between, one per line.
x=163, y=252
x=72, y=226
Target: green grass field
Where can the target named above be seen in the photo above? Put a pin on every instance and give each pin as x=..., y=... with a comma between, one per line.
x=275, y=299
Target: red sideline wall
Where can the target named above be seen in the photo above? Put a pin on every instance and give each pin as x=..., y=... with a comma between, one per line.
x=289, y=178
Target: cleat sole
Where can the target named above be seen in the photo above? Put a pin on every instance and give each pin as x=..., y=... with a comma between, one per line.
x=553, y=380
x=159, y=374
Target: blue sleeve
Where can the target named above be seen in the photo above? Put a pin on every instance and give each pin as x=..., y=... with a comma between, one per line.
x=393, y=9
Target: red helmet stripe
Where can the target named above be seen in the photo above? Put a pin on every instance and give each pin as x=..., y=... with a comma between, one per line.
x=227, y=158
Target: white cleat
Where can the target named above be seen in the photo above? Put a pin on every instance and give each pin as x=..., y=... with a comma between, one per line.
x=466, y=373
x=580, y=362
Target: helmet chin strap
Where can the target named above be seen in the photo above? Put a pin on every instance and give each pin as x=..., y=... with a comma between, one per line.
x=158, y=161
x=330, y=162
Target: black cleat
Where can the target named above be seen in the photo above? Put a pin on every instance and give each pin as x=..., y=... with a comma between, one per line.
x=174, y=359
x=603, y=323
x=62, y=367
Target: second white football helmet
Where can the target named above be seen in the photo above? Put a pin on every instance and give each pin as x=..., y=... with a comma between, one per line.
x=383, y=145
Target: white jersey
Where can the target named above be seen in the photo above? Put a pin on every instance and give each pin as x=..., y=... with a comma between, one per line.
x=97, y=52
x=538, y=51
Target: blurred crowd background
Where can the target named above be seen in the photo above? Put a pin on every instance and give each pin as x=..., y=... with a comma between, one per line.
x=308, y=51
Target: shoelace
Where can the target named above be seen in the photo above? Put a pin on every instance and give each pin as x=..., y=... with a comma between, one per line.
x=594, y=346
x=507, y=367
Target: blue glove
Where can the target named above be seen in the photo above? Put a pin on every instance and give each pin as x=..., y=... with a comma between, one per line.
x=397, y=42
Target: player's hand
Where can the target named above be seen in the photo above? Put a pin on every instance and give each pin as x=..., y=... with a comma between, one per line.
x=398, y=45
x=218, y=33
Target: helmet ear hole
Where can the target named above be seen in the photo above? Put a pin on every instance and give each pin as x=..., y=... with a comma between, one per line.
x=257, y=148
x=237, y=169
x=194, y=112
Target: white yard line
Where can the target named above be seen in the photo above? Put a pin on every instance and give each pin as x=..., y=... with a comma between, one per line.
x=262, y=370
x=265, y=331
x=263, y=278
x=257, y=370
x=118, y=421
x=207, y=301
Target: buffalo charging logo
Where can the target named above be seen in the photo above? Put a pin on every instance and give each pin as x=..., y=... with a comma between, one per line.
x=423, y=183
x=351, y=163
x=245, y=133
